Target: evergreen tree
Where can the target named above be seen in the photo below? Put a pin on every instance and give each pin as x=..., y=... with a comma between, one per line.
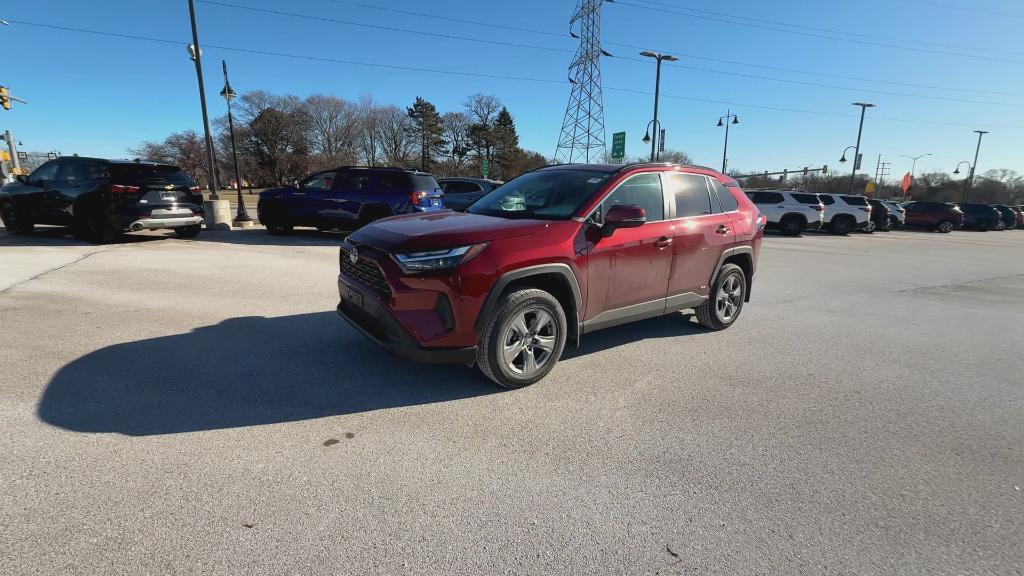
x=428, y=129
x=505, y=140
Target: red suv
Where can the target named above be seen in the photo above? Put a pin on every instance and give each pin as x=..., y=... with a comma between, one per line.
x=548, y=257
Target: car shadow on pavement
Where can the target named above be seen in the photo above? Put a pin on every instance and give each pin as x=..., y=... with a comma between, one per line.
x=62, y=236
x=243, y=372
x=260, y=237
x=667, y=326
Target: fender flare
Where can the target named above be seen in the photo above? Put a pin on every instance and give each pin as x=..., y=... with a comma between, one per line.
x=507, y=278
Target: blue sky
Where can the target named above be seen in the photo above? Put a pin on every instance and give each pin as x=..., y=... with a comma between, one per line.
x=99, y=95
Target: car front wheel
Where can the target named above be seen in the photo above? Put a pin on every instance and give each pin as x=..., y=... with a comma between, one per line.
x=523, y=339
x=15, y=221
x=188, y=231
x=945, y=227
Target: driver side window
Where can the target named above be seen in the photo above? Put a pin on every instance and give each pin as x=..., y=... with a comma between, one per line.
x=319, y=182
x=643, y=190
x=45, y=173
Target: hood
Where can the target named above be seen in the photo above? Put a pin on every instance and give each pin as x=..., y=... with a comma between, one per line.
x=441, y=230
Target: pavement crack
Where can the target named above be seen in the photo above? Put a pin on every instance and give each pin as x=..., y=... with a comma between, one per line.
x=54, y=269
x=957, y=284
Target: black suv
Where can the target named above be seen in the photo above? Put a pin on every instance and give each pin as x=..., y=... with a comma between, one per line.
x=981, y=216
x=100, y=199
x=348, y=197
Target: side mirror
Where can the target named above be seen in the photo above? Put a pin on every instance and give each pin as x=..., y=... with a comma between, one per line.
x=623, y=216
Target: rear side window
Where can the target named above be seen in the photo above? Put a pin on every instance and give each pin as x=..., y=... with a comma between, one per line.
x=806, y=198
x=423, y=182
x=725, y=198
x=855, y=200
x=691, y=194
x=767, y=198
x=827, y=200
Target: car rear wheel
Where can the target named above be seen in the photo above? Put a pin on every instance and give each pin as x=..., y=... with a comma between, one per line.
x=945, y=227
x=95, y=229
x=523, y=339
x=840, y=225
x=791, y=226
x=188, y=231
x=725, y=301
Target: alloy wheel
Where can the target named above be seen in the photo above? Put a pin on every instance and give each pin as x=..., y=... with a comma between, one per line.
x=946, y=227
x=729, y=298
x=530, y=341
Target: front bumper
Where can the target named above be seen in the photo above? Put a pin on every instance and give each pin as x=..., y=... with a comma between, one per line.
x=377, y=324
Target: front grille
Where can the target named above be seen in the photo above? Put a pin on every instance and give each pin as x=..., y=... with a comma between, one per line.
x=366, y=272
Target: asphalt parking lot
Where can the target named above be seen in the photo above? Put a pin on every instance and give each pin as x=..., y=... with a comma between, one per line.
x=183, y=407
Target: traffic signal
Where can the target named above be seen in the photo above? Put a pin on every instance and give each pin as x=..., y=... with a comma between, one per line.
x=5, y=97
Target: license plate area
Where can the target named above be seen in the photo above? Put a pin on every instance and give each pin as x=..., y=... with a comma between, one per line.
x=352, y=296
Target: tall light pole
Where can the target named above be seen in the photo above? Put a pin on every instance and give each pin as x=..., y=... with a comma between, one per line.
x=196, y=54
x=725, y=151
x=856, y=154
x=913, y=168
x=657, y=88
x=240, y=215
x=970, y=178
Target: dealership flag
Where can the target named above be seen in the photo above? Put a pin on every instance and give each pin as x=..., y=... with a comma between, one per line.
x=908, y=181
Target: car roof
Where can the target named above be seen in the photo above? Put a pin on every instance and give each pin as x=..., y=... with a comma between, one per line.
x=469, y=179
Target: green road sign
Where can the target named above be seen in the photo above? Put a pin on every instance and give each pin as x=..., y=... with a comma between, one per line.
x=618, y=145
x=486, y=168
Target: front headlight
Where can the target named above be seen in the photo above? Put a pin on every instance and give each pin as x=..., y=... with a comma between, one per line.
x=432, y=260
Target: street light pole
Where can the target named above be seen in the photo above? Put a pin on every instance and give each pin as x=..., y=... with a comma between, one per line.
x=657, y=89
x=241, y=215
x=970, y=178
x=856, y=154
x=725, y=151
x=197, y=55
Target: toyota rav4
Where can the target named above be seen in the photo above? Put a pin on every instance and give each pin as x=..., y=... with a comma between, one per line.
x=548, y=257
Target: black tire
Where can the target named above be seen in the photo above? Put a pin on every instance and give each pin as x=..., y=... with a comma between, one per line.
x=96, y=229
x=499, y=328
x=840, y=225
x=792, y=226
x=188, y=231
x=15, y=221
x=894, y=223
x=945, y=227
x=710, y=314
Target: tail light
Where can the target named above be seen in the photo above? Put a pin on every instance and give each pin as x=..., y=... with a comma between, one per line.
x=195, y=189
x=762, y=221
x=420, y=199
x=818, y=208
x=123, y=189
x=866, y=209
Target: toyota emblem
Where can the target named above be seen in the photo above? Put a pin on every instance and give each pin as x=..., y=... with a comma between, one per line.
x=353, y=256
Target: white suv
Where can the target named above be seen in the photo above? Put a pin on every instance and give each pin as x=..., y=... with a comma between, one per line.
x=789, y=211
x=846, y=212
x=898, y=213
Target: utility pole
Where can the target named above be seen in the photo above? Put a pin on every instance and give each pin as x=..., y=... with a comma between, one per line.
x=197, y=56
x=970, y=179
x=15, y=161
x=856, y=153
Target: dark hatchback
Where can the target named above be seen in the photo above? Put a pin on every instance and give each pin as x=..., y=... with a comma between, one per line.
x=100, y=198
x=347, y=198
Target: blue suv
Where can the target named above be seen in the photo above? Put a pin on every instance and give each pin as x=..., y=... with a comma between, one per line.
x=347, y=198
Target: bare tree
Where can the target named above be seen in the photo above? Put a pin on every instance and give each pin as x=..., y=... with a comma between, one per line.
x=186, y=149
x=369, y=119
x=483, y=108
x=396, y=145
x=455, y=131
x=333, y=129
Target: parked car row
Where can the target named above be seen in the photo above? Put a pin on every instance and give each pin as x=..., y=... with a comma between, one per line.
x=792, y=212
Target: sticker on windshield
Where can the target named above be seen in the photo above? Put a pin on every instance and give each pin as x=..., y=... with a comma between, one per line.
x=594, y=180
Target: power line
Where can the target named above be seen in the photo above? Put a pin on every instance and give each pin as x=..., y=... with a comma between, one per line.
x=493, y=76
x=830, y=30
x=966, y=8
x=819, y=35
x=678, y=52
x=377, y=27
x=628, y=58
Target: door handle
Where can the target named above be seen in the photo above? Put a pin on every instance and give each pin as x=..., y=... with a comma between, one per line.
x=663, y=242
x=723, y=230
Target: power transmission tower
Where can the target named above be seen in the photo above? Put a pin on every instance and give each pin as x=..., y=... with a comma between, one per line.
x=582, y=137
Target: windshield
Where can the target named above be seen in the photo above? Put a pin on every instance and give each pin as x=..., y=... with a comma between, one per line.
x=544, y=194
